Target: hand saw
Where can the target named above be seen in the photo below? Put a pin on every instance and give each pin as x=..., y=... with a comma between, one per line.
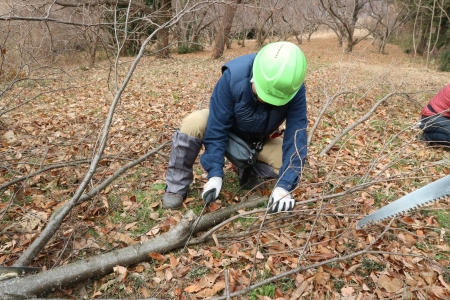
x=425, y=195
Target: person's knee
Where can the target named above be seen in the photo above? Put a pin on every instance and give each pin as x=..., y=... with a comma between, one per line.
x=437, y=137
x=194, y=124
x=272, y=153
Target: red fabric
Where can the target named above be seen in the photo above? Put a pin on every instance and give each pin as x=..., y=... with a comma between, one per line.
x=439, y=103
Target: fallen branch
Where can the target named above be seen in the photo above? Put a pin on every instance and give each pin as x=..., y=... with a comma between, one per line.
x=212, y=219
x=304, y=268
x=52, y=167
x=71, y=274
x=359, y=121
x=58, y=217
x=321, y=113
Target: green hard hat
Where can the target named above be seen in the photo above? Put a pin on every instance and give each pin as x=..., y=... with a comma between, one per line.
x=279, y=70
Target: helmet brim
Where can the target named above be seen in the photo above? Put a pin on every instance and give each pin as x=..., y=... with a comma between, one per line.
x=271, y=99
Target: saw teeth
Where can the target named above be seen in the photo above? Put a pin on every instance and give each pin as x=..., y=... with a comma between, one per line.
x=443, y=185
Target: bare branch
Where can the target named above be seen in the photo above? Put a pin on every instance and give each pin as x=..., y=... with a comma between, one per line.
x=359, y=121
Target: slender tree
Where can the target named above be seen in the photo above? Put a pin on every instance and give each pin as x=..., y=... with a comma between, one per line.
x=342, y=17
x=224, y=29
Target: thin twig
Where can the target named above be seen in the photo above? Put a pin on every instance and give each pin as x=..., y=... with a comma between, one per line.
x=359, y=121
x=227, y=286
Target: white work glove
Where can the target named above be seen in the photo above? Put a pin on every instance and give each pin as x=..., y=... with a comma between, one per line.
x=280, y=200
x=212, y=189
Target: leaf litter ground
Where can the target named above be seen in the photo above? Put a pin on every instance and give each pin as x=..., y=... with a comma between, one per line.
x=408, y=257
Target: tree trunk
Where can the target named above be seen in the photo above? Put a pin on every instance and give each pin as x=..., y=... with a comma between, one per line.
x=421, y=46
x=224, y=30
x=349, y=44
x=228, y=42
x=165, y=14
x=431, y=34
x=92, y=47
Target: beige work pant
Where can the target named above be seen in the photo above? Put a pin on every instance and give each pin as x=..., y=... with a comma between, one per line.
x=194, y=125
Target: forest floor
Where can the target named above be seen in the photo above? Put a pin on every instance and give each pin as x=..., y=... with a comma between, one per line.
x=409, y=257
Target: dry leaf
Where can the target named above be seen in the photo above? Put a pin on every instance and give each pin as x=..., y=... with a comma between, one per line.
x=347, y=291
x=157, y=280
x=168, y=275
x=96, y=294
x=216, y=241
x=79, y=244
x=122, y=272
x=439, y=292
x=322, y=278
x=192, y=288
x=390, y=284
x=445, y=284
x=173, y=260
x=154, y=231
x=299, y=291
x=213, y=291
x=213, y=207
x=259, y=255
x=144, y=291
x=122, y=237
x=31, y=222
x=140, y=268
x=158, y=256
x=154, y=216
x=271, y=266
x=408, y=220
x=10, y=137
x=193, y=253
x=177, y=291
x=130, y=225
x=324, y=250
x=208, y=280
x=420, y=233
x=428, y=276
x=445, y=247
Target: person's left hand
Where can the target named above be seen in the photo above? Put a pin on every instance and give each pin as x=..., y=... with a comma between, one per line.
x=280, y=200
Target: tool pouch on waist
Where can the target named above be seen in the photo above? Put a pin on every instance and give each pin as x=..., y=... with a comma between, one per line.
x=239, y=153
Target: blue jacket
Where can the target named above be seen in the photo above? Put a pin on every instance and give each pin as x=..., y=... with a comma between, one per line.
x=234, y=107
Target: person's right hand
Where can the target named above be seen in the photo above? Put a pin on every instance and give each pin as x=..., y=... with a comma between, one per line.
x=280, y=200
x=211, y=190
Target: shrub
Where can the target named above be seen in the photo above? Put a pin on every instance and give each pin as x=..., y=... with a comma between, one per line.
x=444, y=61
x=183, y=49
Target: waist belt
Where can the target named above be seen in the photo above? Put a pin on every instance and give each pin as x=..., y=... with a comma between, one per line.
x=431, y=108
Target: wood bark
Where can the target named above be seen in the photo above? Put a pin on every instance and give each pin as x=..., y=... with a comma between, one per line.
x=71, y=274
x=165, y=14
x=224, y=30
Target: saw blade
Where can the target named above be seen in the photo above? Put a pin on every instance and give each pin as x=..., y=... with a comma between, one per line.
x=425, y=195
